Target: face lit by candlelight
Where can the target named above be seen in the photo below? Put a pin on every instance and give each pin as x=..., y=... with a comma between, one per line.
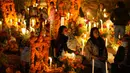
x=65, y=31
x=96, y=33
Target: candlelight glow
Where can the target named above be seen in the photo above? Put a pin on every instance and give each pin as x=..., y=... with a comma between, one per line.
x=88, y=13
x=32, y=29
x=0, y=22
x=110, y=58
x=104, y=10
x=0, y=25
x=28, y=9
x=106, y=42
x=95, y=25
x=101, y=24
x=50, y=59
x=105, y=15
x=33, y=22
x=68, y=16
x=18, y=20
x=69, y=55
x=89, y=26
x=24, y=31
x=62, y=21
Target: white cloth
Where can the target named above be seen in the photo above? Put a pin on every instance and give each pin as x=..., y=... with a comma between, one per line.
x=72, y=43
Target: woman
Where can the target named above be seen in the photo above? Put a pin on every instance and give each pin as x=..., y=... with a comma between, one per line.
x=61, y=41
x=95, y=49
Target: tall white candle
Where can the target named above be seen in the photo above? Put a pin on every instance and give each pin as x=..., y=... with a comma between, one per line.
x=108, y=27
x=92, y=65
x=68, y=15
x=0, y=25
x=88, y=14
x=33, y=22
x=101, y=24
x=106, y=42
x=95, y=24
x=89, y=26
x=18, y=20
x=62, y=21
x=50, y=59
x=119, y=36
x=106, y=67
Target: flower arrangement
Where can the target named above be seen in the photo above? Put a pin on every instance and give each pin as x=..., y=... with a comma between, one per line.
x=128, y=29
x=71, y=63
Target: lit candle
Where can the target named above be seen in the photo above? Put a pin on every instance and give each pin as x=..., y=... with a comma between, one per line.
x=24, y=23
x=92, y=65
x=105, y=15
x=0, y=25
x=45, y=21
x=28, y=9
x=104, y=10
x=106, y=42
x=119, y=36
x=50, y=59
x=94, y=24
x=62, y=21
x=11, y=21
x=33, y=22
x=24, y=31
x=18, y=20
x=73, y=56
x=88, y=14
x=89, y=26
x=101, y=24
x=106, y=67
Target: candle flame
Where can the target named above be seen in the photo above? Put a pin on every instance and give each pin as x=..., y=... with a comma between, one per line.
x=0, y=22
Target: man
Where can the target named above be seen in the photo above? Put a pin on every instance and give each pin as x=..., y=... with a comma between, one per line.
x=120, y=61
x=120, y=18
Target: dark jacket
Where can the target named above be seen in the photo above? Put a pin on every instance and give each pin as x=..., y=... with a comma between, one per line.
x=61, y=44
x=128, y=57
x=120, y=55
x=120, y=16
x=96, y=48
